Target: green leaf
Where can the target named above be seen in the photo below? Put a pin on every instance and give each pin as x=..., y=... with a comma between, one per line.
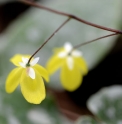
x=27, y=33
x=107, y=104
x=87, y=120
x=15, y=110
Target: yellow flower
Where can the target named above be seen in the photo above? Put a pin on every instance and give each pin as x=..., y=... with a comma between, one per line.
x=72, y=65
x=29, y=77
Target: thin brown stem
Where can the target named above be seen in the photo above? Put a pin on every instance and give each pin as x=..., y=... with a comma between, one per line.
x=68, y=15
x=49, y=38
x=82, y=44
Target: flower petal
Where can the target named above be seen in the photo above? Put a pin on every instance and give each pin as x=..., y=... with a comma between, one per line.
x=22, y=64
x=42, y=71
x=76, y=53
x=70, y=79
x=31, y=72
x=57, y=50
x=68, y=47
x=62, y=54
x=70, y=62
x=54, y=63
x=18, y=58
x=81, y=63
x=13, y=79
x=25, y=60
x=34, y=61
x=32, y=90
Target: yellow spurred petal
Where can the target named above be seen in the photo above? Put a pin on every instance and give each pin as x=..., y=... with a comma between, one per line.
x=54, y=63
x=18, y=58
x=42, y=71
x=71, y=79
x=13, y=79
x=81, y=63
x=33, y=90
x=57, y=50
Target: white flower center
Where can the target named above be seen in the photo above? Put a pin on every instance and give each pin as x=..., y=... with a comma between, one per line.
x=68, y=47
x=30, y=71
x=70, y=62
x=69, y=54
x=76, y=53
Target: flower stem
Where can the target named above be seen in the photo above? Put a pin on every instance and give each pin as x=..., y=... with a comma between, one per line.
x=68, y=15
x=82, y=44
x=49, y=38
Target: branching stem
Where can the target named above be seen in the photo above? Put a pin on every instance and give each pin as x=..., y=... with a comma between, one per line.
x=70, y=16
x=49, y=38
x=82, y=44
x=28, y=2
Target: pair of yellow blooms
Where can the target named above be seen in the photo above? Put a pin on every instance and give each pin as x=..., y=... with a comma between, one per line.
x=30, y=77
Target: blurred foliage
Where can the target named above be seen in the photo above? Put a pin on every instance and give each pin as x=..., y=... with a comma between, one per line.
x=5, y=1
x=31, y=29
x=15, y=110
x=87, y=120
x=107, y=104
